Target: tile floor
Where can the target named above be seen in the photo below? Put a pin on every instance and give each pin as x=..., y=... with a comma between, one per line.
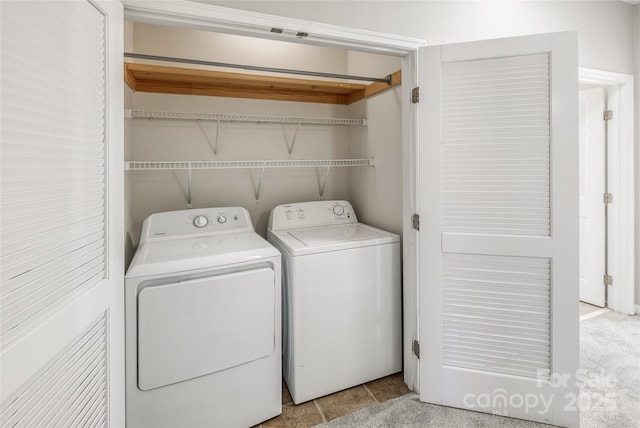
x=327, y=408
x=333, y=406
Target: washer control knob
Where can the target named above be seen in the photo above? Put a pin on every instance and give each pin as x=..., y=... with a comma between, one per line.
x=338, y=209
x=222, y=219
x=289, y=213
x=200, y=221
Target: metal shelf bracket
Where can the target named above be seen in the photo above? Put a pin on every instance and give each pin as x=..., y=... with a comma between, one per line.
x=189, y=189
x=258, y=186
x=214, y=146
x=322, y=182
x=293, y=140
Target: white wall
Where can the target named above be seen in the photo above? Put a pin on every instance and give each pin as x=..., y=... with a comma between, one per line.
x=207, y=46
x=157, y=191
x=605, y=28
x=376, y=193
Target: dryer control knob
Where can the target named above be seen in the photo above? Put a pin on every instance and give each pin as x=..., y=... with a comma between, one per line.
x=338, y=209
x=200, y=221
x=222, y=219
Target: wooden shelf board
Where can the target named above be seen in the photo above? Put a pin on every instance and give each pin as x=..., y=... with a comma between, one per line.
x=189, y=81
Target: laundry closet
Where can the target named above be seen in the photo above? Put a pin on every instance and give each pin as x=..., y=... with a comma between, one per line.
x=256, y=148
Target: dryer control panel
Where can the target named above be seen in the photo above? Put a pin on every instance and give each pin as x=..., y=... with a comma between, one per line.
x=311, y=214
x=195, y=222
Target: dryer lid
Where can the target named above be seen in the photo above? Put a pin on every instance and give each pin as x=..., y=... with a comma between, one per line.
x=189, y=254
x=332, y=238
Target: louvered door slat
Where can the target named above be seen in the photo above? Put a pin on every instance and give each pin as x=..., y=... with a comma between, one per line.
x=76, y=388
x=56, y=395
x=52, y=380
x=24, y=237
x=23, y=261
x=46, y=296
x=60, y=387
x=53, y=157
x=91, y=388
x=505, y=298
x=94, y=407
x=492, y=111
x=481, y=342
x=62, y=194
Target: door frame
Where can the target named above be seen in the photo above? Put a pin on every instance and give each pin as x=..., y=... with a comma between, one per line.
x=620, y=173
x=258, y=25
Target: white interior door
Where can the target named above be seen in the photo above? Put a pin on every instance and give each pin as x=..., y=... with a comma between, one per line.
x=592, y=188
x=498, y=280
x=61, y=305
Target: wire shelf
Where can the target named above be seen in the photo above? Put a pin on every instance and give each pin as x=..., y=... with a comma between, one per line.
x=231, y=164
x=144, y=114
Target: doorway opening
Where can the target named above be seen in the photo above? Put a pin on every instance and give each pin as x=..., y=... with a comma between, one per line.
x=606, y=190
x=193, y=15
x=594, y=199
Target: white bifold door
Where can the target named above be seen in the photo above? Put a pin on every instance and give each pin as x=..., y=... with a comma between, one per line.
x=61, y=239
x=498, y=268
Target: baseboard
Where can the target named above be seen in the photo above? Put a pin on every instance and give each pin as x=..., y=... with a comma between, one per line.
x=594, y=314
x=637, y=309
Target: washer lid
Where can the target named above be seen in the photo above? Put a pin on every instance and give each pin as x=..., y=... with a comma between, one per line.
x=332, y=238
x=180, y=255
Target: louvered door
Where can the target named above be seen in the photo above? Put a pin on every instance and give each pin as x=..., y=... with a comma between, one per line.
x=499, y=249
x=61, y=264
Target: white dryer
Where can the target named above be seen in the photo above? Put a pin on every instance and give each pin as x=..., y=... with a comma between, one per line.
x=341, y=298
x=203, y=323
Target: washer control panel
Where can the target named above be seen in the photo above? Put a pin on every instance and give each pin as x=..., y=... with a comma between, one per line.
x=196, y=222
x=311, y=214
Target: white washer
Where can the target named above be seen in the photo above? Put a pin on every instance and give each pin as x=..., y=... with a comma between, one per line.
x=341, y=298
x=203, y=323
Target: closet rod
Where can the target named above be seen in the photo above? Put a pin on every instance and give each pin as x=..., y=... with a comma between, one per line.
x=386, y=80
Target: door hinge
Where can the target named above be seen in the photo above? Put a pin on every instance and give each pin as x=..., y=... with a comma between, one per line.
x=416, y=348
x=415, y=95
x=607, y=115
x=607, y=198
x=415, y=221
x=607, y=279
